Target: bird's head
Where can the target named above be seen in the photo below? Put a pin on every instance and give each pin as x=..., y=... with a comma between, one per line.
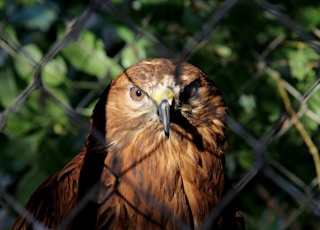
x=158, y=98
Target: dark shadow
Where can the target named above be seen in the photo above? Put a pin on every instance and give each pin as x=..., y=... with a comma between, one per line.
x=92, y=168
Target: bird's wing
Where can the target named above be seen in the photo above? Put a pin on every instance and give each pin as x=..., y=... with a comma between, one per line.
x=54, y=199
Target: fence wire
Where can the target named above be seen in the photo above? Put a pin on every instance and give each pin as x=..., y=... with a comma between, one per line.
x=262, y=56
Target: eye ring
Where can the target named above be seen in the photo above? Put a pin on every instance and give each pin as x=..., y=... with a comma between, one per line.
x=136, y=93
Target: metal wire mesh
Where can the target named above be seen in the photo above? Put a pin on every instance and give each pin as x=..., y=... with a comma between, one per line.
x=272, y=132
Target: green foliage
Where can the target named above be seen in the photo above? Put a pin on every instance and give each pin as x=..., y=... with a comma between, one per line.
x=299, y=60
x=39, y=137
x=8, y=87
x=35, y=16
x=88, y=55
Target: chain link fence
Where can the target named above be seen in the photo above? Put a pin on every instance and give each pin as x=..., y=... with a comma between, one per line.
x=57, y=57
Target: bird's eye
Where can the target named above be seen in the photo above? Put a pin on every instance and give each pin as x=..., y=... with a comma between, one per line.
x=136, y=94
x=189, y=91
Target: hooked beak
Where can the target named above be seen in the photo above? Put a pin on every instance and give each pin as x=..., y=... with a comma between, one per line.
x=164, y=98
x=164, y=113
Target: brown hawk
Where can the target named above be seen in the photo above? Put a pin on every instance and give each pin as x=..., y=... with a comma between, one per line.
x=153, y=158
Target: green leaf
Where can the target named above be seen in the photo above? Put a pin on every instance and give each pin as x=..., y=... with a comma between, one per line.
x=245, y=159
x=37, y=16
x=29, y=183
x=58, y=114
x=309, y=17
x=296, y=63
x=61, y=95
x=299, y=59
x=133, y=53
x=25, y=146
x=88, y=55
x=23, y=65
x=126, y=34
x=223, y=50
x=16, y=127
x=247, y=102
x=309, y=124
x=11, y=31
x=55, y=72
x=8, y=88
x=314, y=103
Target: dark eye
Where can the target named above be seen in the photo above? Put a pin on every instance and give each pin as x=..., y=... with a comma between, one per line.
x=189, y=91
x=136, y=94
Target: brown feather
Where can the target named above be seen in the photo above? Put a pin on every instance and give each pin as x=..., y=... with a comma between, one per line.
x=140, y=178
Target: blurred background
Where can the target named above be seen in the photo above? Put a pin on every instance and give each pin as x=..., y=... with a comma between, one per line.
x=57, y=56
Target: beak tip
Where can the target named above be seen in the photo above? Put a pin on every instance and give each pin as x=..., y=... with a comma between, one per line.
x=166, y=133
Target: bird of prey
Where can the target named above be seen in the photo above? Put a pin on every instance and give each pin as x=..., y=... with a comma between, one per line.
x=153, y=158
